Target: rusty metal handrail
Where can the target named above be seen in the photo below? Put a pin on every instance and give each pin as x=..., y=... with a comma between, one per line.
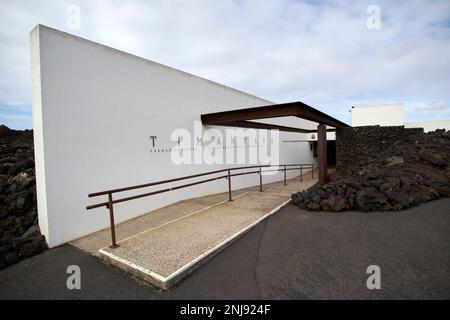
x=110, y=203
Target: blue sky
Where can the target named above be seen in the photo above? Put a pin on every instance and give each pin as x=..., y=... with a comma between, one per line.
x=319, y=52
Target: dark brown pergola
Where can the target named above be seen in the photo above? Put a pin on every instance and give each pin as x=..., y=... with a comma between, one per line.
x=244, y=118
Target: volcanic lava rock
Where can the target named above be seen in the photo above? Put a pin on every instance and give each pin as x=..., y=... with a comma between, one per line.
x=4, y=129
x=20, y=236
x=392, y=161
x=388, y=175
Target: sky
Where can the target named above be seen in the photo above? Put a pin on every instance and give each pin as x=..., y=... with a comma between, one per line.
x=329, y=54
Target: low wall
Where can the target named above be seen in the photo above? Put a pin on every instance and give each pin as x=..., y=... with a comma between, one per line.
x=357, y=145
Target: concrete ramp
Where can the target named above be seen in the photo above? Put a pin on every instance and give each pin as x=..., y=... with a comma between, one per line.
x=164, y=254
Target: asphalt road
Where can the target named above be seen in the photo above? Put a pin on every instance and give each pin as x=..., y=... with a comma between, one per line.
x=292, y=255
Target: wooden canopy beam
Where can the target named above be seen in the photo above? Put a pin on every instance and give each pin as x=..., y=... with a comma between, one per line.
x=295, y=109
x=241, y=117
x=267, y=126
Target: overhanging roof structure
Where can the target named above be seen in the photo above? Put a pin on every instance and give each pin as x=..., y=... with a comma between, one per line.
x=244, y=117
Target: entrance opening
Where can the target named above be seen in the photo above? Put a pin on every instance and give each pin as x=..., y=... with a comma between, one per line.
x=331, y=152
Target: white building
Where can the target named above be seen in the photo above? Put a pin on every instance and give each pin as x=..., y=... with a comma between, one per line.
x=384, y=115
x=104, y=119
x=391, y=115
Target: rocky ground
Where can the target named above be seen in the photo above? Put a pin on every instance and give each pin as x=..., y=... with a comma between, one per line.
x=405, y=174
x=20, y=236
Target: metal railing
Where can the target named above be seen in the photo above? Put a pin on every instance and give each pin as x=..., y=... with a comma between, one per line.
x=109, y=204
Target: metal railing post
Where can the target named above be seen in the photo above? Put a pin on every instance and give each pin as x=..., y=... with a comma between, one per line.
x=260, y=179
x=301, y=173
x=229, y=186
x=285, y=176
x=111, y=220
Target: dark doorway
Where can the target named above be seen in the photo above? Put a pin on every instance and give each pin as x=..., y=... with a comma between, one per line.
x=331, y=151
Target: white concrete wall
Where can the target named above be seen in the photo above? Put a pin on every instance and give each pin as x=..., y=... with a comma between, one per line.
x=429, y=125
x=384, y=115
x=330, y=136
x=94, y=109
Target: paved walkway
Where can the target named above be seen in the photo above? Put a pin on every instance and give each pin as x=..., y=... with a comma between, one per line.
x=293, y=254
x=166, y=251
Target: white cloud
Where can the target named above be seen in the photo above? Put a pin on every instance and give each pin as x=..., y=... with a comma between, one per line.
x=436, y=107
x=319, y=52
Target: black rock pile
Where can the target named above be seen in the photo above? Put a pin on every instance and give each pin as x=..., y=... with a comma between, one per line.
x=20, y=236
x=405, y=173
